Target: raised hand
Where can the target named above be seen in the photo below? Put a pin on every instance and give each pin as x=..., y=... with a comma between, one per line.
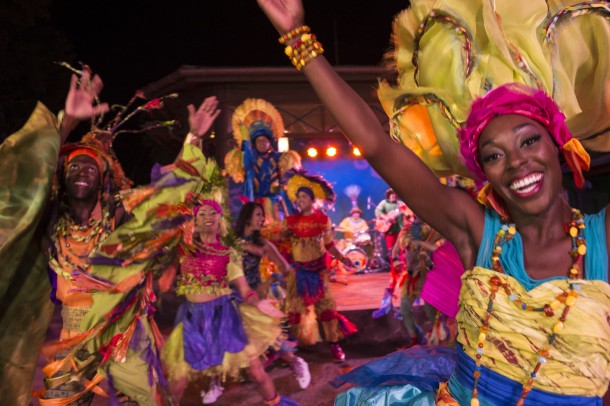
x=285, y=15
x=81, y=100
x=201, y=120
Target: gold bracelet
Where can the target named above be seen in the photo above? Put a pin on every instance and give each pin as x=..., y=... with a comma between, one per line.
x=293, y=34
x=304, y=50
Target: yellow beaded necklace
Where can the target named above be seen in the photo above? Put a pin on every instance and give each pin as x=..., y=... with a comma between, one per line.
x=72, y=243
x=575, y=228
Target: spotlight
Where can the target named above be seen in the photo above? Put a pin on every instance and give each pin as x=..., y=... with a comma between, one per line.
x=312, y=152
x=282, y=144
x=356, y=151
x=331, y=151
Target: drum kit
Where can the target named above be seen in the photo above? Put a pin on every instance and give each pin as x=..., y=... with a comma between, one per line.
x=366, y=255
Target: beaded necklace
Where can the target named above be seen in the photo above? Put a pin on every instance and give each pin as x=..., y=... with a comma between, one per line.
x=575, y=228
x=72, y=243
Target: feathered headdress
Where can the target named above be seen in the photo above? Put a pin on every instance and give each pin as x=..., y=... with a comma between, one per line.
x=98, y=141
x=212, y=191
x=256, y=117
x=319, y=186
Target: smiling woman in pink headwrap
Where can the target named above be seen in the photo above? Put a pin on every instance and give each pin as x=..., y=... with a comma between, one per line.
x=535, y=298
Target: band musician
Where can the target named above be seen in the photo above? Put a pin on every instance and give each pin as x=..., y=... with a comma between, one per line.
x=389, y=220
x=353, y=225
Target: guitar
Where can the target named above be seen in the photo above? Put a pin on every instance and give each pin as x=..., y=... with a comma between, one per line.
x=385, y=221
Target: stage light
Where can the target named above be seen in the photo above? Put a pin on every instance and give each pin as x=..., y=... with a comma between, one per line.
x=282, y=144
x=312, y=152
x=356, y=151
x=331, y=151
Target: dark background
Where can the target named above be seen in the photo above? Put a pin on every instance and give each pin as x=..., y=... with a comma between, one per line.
x=132, y=43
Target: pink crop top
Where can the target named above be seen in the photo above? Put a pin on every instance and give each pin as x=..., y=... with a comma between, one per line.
x=205, y=271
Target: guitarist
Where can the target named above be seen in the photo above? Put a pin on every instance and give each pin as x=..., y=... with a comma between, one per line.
x=389, y=221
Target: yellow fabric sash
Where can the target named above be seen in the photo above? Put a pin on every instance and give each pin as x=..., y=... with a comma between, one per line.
x=579, y=362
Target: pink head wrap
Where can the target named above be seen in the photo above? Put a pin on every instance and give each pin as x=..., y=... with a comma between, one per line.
x=516, y=98
x=208, y=202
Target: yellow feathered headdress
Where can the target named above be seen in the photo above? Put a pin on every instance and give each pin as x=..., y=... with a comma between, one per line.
x=255, y=117
x=319, y=186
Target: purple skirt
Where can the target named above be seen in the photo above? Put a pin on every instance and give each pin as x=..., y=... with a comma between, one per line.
x=210, y=330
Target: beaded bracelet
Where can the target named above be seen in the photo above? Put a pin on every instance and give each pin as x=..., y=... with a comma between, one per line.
x=304, y=50
x=292, y=34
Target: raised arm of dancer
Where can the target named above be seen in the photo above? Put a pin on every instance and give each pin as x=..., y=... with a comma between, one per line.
x=450, y=211
x=201, y=119
x=81, y=102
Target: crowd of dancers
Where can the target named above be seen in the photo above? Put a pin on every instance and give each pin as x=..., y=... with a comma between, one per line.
x=523, y=274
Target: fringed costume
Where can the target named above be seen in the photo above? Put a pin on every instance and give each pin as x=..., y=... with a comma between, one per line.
x=308, y=294
x=103, y=274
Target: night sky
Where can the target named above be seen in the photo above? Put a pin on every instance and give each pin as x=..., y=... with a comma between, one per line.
x=132, y=43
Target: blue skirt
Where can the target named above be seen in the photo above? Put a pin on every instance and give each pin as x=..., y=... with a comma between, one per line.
x=210, y=329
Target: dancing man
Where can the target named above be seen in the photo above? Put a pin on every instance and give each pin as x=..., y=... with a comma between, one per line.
x=84, y=214
x=309, y=297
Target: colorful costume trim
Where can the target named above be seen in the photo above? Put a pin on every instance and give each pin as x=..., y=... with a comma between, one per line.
x=310, y=285
x=450, y=53
x=209, y=330
x=497, y=389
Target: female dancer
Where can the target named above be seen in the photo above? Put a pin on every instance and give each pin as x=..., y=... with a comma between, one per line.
x=213, y=335
x=248, y=227
x=535, y=299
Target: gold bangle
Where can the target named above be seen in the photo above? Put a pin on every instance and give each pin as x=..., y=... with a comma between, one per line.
x=304, y=50
x=293, y=34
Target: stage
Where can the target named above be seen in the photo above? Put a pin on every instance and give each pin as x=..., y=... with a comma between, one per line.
x=362, y=292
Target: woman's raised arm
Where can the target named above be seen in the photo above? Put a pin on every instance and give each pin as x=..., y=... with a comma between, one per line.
x=452, y=212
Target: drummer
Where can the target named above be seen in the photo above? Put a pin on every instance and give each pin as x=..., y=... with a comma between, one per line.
x=353, y=225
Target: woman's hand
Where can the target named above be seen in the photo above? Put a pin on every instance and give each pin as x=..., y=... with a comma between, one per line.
x=285, y=15
x=269, y=307
x=201, y=120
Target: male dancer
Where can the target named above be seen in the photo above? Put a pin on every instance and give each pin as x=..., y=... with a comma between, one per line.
x=308, y=294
